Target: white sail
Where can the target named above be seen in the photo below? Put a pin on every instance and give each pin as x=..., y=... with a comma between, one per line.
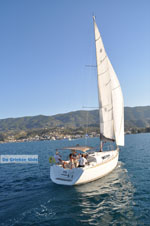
x=111, y=109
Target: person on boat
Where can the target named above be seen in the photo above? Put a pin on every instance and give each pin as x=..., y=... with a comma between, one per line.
x=78, y=156
x=71, y=161
x=58, y=159
x=74, y=154
x=75, y=158
x=82, y=161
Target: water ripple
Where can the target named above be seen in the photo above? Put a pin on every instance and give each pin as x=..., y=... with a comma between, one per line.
x=28, y=197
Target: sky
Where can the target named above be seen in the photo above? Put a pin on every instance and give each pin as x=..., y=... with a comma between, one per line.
x=45, y=46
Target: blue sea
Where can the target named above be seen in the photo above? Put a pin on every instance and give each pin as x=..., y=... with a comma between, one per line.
x=28, y=196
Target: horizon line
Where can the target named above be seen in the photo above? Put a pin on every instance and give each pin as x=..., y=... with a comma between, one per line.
x=63, y=113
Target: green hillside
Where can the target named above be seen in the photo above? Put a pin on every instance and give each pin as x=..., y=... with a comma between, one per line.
x=137, y=117
x=134, y=117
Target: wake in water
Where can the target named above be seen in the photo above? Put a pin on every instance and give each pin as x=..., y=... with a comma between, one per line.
x=106, y=200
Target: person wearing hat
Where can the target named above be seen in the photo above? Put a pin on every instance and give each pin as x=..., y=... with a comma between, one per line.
x=58, y=159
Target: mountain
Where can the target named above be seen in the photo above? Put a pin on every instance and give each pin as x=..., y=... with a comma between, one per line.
x=137, y=117
x=71, y=119
x=134, y=117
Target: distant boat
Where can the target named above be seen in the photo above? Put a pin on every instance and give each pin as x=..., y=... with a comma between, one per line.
x=111, y=114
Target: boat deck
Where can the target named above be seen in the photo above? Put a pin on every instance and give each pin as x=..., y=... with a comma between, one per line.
x=93, y=159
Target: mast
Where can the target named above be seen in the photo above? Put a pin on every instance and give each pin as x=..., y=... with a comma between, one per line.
x=101, y=141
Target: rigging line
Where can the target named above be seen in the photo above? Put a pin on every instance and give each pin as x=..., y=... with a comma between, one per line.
x=90, y=65
x=86, y=130
x=91, y=107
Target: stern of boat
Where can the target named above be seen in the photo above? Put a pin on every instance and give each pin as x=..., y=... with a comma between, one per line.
x=60, y=175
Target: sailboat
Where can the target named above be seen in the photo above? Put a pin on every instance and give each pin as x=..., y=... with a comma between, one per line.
x=111, y=115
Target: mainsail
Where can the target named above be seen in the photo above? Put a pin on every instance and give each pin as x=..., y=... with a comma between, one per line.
x=111, y=107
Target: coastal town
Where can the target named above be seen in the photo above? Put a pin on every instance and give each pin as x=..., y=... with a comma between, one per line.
x=46, y=134
x=58, y=133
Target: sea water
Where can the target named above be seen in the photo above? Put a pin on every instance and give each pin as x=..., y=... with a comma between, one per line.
x=28, y=196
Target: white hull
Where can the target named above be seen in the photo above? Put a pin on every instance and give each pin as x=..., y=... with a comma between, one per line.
x=100, y=164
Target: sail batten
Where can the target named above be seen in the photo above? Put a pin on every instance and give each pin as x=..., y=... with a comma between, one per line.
x=111, y=107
